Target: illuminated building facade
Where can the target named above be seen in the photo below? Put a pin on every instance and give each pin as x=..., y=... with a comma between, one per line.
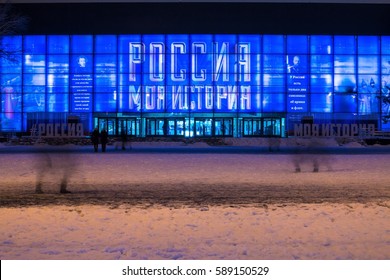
x=194, y=85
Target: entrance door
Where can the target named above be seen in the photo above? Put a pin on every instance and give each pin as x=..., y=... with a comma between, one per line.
x=223, y=127
x=156, y=127
x=271, y=127
x=108, y=124
x=175, y=127
x=203, y=127
x=129, y=126
x=252, y=127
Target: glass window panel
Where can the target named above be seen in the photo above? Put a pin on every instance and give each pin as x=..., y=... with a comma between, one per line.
x=224, y=43
x=129, y=100
x=178, y=59
x=254, y=42
x=274, y=80
x=11, y=100
x=58, y=44
x=57, y=80
x=368, y=44
x=35, y=44
x=34, y=99
x=105, y=89
x=57, y=102
x=385, y=44
x=34, y=63
x=129, y=44
x=11, y=66
x=368, y=103
x=386, y=65
x=81, y=43
x=345, y=83
x=105, y=102
x=11, y=80
x=80, y=102
x=124, y=79
x=321, y=64
x=102, y=81
x=57, y=64
x=345, y=103
x=369, y=84
x=321, y=44
x=230, y=102
x=34, y=79
x=321, y=103
x=368, y=64
x=273, y=44
x=81, y=63
x=57, y=89
x=153, y=101
x=153, y=42
x=182, y=41
x=11, y=122
x=201, y=59
x=11, y=43
x=322, y=83
x=344, y=64
x=296, y=64
x=177, y=100
x=344, y=45
x=274, y=64
x=105, y=44
x=105, y=63
x=273, y=102
x=178, y=69
x=297, y=44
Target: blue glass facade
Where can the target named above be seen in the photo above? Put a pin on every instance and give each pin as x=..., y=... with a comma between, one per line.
x=229, y=81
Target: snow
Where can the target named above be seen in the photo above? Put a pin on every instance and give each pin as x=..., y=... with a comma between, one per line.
x=193, y=201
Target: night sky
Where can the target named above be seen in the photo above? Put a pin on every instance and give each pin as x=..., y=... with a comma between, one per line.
x=211, y=18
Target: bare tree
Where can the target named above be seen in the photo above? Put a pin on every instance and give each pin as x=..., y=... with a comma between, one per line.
x=10, y=24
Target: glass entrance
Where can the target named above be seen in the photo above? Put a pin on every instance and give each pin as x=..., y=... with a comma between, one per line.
x=252, y=127
x=128, y=126
x=269, y=127
x=108, y=124
x=165, y=127
x=155, y=127
x=223, y=127
x=203, y=127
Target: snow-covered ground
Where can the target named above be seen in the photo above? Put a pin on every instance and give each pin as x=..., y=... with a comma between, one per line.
x=177, y=201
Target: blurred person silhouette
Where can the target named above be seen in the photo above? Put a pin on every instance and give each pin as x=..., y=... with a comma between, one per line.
x=124, y=139
x=104, y=139
x=59, y=163
x=95, y=139
x=274, y=143
x=43, y=165
x=305, y=151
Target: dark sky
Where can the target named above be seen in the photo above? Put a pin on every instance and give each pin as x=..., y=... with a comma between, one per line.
x=179, y=17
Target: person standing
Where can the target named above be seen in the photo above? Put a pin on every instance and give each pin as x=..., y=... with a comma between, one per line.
x=124, y=139
x=95, y=139
x=104, y=139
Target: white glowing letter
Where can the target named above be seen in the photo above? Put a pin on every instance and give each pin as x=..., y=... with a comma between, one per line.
x=136, y=51
x=198, y=75
x=156, y=62
x=177, y=74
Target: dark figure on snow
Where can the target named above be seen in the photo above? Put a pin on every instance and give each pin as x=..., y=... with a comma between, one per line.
x=305, y=152
x=104, y=139
x=124, y=139
x=95, y=139
x=58, y=164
